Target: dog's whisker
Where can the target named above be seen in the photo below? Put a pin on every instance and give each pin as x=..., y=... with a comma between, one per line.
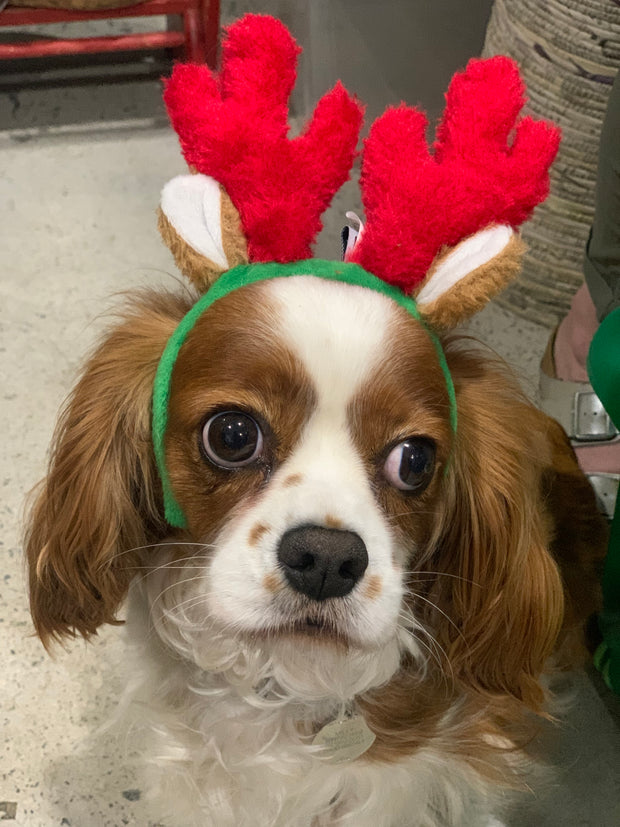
x=415, y=574
x=429, y=646
x=168, y=567
x=435, y=607
x=417, y=512
x=175, y=585
x=158, y=545
x=192, y=561
x=186, y=564
x=187, y=604
x=424, y=638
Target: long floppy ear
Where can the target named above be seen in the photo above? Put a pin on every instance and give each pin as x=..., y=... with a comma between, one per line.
x=580, y=541
x=504, y=609
x=101, y=498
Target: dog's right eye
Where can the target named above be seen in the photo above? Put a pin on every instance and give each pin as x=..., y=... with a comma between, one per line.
x=410, y=464
x=232, y=439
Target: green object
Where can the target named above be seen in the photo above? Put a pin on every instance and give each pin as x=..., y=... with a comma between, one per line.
x=604, y=373
x=242, y=276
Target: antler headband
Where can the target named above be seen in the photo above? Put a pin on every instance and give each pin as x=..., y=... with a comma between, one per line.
x=440, y=234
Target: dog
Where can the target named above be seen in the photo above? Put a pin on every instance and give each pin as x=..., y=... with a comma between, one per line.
x=352, y=553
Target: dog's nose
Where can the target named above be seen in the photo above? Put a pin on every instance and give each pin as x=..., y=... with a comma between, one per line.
x=322, y=562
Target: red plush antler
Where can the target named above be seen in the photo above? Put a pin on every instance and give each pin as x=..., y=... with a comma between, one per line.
x=488, y=167
x=234, y=128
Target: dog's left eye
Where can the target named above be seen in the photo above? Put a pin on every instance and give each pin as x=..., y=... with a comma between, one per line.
x=232, y=439
x=410, y=464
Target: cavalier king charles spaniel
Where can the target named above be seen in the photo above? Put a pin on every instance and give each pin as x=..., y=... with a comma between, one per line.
x=377, y=549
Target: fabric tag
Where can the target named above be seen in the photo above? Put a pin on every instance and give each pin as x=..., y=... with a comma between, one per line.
x=351, y=235
x=344, y=739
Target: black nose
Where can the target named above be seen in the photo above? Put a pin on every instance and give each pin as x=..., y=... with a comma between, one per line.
x=322, y=562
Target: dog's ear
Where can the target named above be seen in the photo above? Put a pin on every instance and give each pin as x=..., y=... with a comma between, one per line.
x=503, y=610
x=101, y=498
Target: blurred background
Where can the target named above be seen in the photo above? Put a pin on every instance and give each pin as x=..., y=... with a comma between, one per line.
x=84, y=152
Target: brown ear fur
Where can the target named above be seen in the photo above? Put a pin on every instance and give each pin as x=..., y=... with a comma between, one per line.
x=201, y=271
x=579, y=545
x=475, y=290
x=504, y=610
x=101, y=498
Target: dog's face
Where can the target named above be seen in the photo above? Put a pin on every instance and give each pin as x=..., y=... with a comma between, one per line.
x=307, y=448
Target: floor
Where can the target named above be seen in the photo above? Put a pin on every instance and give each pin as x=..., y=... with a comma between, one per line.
x=82, y=165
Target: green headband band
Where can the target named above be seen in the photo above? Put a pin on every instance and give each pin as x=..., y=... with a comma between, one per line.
x=240, y=277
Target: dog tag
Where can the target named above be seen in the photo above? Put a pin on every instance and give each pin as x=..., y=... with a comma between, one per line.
x=344, y=739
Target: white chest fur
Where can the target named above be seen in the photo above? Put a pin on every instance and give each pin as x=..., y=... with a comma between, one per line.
x=215, y=758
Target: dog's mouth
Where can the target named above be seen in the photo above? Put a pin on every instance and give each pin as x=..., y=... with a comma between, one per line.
x=314, y=623
x=315, y=626
x=324, y=623
x=310, y=625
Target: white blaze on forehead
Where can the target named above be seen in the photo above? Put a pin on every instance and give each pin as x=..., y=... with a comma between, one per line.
x=338, y=331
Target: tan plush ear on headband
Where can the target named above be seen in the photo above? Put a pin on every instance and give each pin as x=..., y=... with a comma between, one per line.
x=201, y=227
x=463, y=279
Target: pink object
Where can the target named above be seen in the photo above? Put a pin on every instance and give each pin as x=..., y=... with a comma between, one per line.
x=572, y=341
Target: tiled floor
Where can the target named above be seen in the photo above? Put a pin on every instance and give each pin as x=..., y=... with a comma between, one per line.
x=81, y=169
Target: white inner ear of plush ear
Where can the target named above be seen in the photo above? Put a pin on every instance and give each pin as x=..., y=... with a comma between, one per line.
x=466, y=257
x=192, y=204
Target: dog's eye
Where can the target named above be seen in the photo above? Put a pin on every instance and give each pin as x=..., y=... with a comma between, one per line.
x=410, y=464
x=232, y=439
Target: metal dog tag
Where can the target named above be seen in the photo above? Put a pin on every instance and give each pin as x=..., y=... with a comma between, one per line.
x=344, y=739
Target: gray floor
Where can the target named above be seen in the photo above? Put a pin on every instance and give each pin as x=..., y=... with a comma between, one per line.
x=82, y=167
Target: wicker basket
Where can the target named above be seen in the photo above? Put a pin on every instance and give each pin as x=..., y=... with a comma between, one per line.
x=569, y=53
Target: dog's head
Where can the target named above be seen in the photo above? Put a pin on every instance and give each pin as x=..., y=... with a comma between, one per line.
x=336, y=473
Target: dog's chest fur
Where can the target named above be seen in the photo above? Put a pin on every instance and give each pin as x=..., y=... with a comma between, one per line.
x=219, y=754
